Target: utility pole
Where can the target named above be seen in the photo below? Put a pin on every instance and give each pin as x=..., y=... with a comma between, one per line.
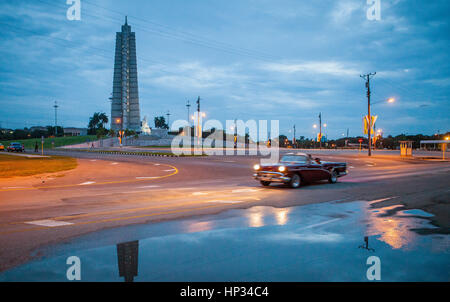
x=235, y=133
x=320, y=130
x=198, y=121
x=293, y=140
x=369, y=117
x=347, y=132
x=56, y=118
x=168, y=118
x=189, y=118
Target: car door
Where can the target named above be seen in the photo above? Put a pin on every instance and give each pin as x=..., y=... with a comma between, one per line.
x=312, y=170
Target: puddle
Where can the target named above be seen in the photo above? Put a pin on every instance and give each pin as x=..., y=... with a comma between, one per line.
x=417, y=212
x=318, y=242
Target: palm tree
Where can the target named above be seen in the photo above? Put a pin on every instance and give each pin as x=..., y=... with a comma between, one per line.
x=103, y=118
x=97, y=121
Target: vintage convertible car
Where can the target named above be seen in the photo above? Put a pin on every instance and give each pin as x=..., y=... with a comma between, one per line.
x=295, y=169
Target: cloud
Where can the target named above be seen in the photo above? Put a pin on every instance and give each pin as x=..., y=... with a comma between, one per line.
x=344, y=10
x=332, y=68
x=188, y=76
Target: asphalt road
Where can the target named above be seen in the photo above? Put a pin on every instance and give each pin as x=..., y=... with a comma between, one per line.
x=107, y=191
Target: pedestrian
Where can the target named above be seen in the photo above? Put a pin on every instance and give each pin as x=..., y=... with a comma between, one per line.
x=36, y=148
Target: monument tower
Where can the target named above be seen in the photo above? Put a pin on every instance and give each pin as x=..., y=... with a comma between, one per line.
x=125, y=97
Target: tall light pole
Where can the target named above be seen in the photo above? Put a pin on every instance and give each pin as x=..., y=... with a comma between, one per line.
x=293, y=140
x=369, y=117
x=188, y=107
x=168, y=118
x=56, y=118
x=320, y=130
x=198, y=121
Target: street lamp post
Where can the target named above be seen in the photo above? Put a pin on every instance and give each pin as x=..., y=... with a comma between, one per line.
x=320, y=130
x=56, y=118
x=187, y=106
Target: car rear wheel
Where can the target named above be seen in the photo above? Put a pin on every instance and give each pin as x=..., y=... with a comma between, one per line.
x=265, y=183
x=295, y=181
x=333, y=177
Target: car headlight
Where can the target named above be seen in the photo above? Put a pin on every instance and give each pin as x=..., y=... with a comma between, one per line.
x=281, y=168
x=256, y=167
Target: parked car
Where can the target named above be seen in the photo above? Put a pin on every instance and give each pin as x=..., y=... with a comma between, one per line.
x=296, y=169
x=17, y=147
x=2, y=148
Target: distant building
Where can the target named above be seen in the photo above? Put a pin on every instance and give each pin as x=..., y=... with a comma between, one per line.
x=125, y=97
x=75, y=131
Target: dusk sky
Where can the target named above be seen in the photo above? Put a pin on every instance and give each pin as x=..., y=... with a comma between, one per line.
x=252, y=59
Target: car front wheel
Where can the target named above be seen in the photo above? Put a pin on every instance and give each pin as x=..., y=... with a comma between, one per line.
x=333, y=177
x=295, y=181
x=265, y=183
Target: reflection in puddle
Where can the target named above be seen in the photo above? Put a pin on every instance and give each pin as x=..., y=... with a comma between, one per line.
x=394, y=229
x=127, y=259
x=317, y=242
x=417, y=212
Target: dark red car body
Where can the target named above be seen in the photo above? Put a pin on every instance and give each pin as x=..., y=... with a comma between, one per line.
x=301, y=168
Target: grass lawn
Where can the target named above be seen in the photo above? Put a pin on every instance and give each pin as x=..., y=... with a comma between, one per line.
x=59, y=141
x=11, y=165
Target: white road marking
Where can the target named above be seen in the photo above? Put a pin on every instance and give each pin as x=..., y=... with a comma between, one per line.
x=147, y=187
x=321, y=223
x=351, y=167
x=146, y=177
x=48, y=223
x=244, y=190
x=226, y=201
x=199, y=193
x=13, y=187
x=383, y=199
x=87, y=183
x=114, y=163
x=169, y=170
x=93, y=160
x=157, y=164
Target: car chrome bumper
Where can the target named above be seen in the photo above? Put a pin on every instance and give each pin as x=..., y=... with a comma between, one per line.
x=271, y=176
x=342, y=173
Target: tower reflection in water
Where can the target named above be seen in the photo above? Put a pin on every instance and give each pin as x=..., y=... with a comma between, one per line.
x=127, y=258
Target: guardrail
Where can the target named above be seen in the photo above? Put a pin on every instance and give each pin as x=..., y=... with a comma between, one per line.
x=113, y=152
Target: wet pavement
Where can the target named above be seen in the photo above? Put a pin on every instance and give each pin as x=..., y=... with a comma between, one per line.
x=318, y=242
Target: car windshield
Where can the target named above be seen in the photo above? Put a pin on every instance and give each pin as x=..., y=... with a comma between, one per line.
x=294, y=159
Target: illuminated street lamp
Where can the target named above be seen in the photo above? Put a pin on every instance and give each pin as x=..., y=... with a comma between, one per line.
x=369, y=126
x=389, y=100
x=119, y=121
x=444, y=146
